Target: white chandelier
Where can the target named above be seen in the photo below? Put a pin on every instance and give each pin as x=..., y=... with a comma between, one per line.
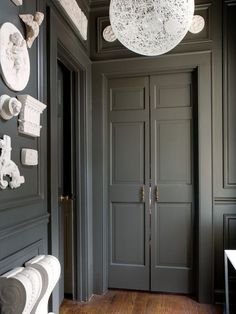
x=151, y=27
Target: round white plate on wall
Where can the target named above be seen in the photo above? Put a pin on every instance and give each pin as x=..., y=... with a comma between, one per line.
x=14, y=57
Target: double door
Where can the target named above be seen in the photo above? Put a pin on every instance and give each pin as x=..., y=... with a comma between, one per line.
x=151, y=196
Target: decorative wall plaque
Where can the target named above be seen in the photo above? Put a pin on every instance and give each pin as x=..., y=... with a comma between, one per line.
x=29, y=157
x=76, y=15
x=32, y=24
x=50, y=269
x=29, y=118
x=8, y=167
x=9, y=107
x=14, y=57
x=20, y=288
x=108, y=34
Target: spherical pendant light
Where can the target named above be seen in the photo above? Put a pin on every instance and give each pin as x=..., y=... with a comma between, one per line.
x=151, y=27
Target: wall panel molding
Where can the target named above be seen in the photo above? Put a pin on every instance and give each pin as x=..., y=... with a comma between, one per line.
x=19, y=258
x=229, y=95
x=27, y=224
x=100, y=49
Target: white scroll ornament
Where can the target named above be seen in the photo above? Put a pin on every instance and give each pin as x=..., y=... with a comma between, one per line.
x=7, y=166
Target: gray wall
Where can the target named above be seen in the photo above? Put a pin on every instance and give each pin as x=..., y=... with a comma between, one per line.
x=23, y=211
x=27, y=226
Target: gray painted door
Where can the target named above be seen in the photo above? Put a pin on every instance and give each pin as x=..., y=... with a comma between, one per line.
x=172, y=183
x=151, y=195
x=129, y=179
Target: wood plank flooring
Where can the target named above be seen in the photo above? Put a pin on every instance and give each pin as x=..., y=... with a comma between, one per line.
x=133, y=302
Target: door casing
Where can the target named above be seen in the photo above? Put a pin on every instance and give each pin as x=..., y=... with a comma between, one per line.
x=63, y=43
x=102, y=71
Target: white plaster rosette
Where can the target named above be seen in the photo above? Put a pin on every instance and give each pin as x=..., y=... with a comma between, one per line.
x=14, y=57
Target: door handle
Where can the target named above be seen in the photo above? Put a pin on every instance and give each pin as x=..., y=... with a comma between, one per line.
x=157, y=194
x=142, y=194
x=64, y=198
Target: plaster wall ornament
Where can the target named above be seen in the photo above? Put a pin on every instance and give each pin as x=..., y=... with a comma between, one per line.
x=29, y=118
x=17, y=2
x=8, y=167
x=50, y=270
x=29, y=157
x=19, y=290
x=9, y=107
x=108, y=34
x=76, y=15
x=198, y=23
x=32, y=23
x=14, y=57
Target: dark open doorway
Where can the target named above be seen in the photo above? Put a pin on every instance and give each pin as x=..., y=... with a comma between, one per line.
x=66, y=180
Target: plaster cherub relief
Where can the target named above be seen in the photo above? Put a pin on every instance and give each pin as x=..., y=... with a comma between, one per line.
x=14, y=57
x=32, y=26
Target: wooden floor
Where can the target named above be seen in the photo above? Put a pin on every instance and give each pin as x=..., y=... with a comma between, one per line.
x=130, y=302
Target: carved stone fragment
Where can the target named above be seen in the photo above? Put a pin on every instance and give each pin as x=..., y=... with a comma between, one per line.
x=32, y=24
x=9, y=107
x=8, y=167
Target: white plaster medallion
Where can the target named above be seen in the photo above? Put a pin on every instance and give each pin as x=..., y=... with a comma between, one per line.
x=14, y=57
x=108, y=34
x=9, y=107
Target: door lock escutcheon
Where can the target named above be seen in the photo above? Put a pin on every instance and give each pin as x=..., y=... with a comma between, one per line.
x=142, y=194
x=157, y=194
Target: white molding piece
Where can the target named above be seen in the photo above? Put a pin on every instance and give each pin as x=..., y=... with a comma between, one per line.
x=14, y=57
x=29, y=157
x=76, y=15
x=9, y=107
x=50, y=270
x=32, y=23
x=108, y=34
x=17, y=2
x=8, y=167
x=29, y=118
x=19, y=290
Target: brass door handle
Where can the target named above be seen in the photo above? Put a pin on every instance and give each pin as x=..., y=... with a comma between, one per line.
x=142, y=194
x=157, y=194
x=64, y=198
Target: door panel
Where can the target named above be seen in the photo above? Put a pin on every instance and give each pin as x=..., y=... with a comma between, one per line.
x=129, y=176
x=128, y=160
x=171, y=174
x=128, y=243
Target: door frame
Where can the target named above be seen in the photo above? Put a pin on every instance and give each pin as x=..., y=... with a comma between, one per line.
x=102, y=71
x=65, y=44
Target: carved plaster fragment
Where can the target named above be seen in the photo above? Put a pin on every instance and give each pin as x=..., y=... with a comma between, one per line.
x=76, y=15
x=8, y=167
x=50, y=269
x=9, y=107
x=29, y=118
x=14, y=57
x=32, y=24
x=20, y=288
x=29, y=157
x=17, y=2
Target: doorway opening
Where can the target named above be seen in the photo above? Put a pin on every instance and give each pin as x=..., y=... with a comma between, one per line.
x=152, y=188
x=66, y=179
